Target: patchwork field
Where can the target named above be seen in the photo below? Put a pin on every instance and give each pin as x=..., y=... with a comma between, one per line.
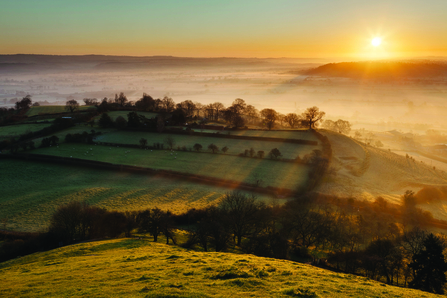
x=288, y=150
x=139, y=268
x=33, y=111
x=31, y=192
x=271, y=172
x=17, y=130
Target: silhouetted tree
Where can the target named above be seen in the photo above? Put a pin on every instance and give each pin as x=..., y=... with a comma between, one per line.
x=121, y=99
x=24, y=104
x=120, y=122
x=105, y=121
x=197, y=147
x=275, y=153
x=170, y=142
x=312, y=116
x=143, y=143
x=429, y=266
x=225, y=149
x=213, y=148
x=292, y=119
x=71, y=105
x=241, y=211
x=270, y=117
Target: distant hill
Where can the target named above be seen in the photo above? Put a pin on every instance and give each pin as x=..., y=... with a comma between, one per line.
x=381, y=69
x=33, y=63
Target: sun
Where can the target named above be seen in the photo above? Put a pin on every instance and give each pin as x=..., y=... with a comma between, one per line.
x=376, y=41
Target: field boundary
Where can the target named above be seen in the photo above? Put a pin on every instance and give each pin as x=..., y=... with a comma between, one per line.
x=226, y=136
x=273, y=191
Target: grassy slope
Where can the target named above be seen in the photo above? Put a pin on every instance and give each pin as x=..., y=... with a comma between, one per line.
x=17, y=130
x=31, y=192
x=385, y=174
x=235, y=146
x=273, y=173
x=51, y=110
x=139, y=268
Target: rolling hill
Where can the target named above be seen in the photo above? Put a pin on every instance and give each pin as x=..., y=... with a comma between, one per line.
x=140, y=268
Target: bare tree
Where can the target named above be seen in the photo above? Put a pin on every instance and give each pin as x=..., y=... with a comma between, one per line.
x=312, y=116
x=292, y=119
x=270, y=116
x=170, y=142
x=71, y=105
x=213, y=148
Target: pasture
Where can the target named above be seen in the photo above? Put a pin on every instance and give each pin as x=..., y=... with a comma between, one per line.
x=140, y=268
x=116, y=114
x=236, y=146
x=33, y=111
x=31, y=192
x=242, y=169
x=20, y=129
x=303, y=134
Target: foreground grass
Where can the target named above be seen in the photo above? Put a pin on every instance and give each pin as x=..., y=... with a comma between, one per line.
x=288, y=150
x=31, y=192
x=139, y=268
x=271, y=172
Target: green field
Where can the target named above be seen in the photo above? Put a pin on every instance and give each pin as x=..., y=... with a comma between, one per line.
x=31, y=192
x=116, y=114
x=288, y=150
x=302, y=134
x=80, y=128
x=17, y=130
x=140, y=268
x=273, y=173
x=33, y=111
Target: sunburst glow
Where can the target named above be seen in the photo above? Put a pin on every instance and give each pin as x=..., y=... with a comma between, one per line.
x=376, y=41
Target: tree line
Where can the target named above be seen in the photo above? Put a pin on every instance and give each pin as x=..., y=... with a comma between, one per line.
x=376, y=239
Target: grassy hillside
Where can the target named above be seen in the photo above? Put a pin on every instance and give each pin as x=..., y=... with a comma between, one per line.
x=366, y=172
x=31, y=192
x=17, y=130
x=273, y=173
x=288, y=150
x=139, y=268
x=33, y=111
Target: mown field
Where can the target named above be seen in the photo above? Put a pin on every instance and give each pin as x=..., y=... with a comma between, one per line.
x=31, y=192
x=140, y=268
x=288, y=150
x=242, y=169
x=20, y=129
x=33, y=111
x=116, y=114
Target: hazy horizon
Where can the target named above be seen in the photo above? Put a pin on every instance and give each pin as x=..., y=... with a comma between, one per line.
x=319, y=29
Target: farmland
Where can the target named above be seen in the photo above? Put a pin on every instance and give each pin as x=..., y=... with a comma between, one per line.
x=33, y=111
x=17, y=130
x=272, y=173
x=32, y=191
x=236, y=146
x=139, y=268
x=116, y=114
x=366, y=172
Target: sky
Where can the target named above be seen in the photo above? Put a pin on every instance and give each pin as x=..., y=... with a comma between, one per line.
x=225, y=28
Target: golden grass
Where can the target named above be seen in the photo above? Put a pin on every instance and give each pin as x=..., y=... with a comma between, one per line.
x=140, y=268
x=31, y=192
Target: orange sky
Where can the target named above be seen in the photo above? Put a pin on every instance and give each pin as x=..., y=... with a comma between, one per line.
x=282, y=28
